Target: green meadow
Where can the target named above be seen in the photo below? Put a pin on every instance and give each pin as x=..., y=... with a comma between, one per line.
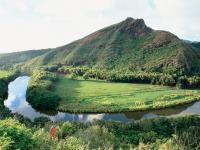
x=100, y=96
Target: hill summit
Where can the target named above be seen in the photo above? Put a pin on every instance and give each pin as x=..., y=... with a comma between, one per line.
x=129, y=44
x=134, y=27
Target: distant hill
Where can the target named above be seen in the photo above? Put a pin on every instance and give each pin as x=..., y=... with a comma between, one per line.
x=196, y=44
x=19, y=57
x=129, y=44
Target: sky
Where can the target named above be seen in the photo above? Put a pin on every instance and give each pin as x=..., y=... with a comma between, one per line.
x=37, y=24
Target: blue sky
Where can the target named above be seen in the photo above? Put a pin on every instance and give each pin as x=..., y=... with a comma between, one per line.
x=35, y=24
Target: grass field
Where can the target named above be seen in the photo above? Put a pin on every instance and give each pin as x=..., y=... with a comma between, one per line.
x=101, y=96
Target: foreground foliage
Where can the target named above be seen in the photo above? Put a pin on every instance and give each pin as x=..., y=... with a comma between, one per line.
x=14, y=135
x=178, y=134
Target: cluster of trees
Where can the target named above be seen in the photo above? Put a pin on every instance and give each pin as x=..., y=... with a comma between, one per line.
x=39, y=93
x=189, y=82
x=133, y=77
x=51, y=68
x=160, y=133
x=5, y=112
x=3, y=88
x=4, y=81
x=79, y=71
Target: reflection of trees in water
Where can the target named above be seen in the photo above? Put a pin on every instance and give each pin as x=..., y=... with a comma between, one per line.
x=119, y=116
x=48, y=112
x=161, y=112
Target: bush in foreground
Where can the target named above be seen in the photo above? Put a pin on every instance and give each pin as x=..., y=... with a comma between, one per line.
x=157, y=134
x=14, y=135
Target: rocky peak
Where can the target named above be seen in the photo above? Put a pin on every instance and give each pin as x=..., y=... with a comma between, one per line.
x=134, y=27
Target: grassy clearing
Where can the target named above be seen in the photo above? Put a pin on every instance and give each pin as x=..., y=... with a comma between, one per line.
x=100, y=96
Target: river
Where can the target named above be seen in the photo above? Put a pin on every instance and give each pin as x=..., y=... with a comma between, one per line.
x=16, y=102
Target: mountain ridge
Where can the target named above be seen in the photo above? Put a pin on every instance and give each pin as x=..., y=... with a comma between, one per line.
x=129, y=44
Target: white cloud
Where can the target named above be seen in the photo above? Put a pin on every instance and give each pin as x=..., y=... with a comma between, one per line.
x=33, y=24
x=2, y=11
x=181, y=17
x=20, y=5
x=75, y=8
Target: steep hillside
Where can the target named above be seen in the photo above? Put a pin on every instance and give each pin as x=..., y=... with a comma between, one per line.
x=19, y=57
x=129, y=44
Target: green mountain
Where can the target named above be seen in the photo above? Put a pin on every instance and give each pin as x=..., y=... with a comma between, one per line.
x=129, y=44
x=19, y=57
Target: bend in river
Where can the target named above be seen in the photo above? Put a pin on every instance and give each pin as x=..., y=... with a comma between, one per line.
x=17, y=103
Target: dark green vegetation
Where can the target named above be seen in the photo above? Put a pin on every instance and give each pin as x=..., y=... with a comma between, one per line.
x=14, y=135
x=196, y=44
x=169, y=79
x=39, y=93
x=179, y=134
x=5, y=78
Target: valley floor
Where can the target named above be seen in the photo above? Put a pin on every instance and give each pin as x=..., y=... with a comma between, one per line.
x=100, y=96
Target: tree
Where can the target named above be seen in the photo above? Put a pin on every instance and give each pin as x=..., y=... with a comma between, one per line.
x=86, y=76
x=182, y=82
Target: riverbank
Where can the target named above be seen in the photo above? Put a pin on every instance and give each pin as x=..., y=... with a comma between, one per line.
x=50, y=91
x=93, y=96
x=5, y=78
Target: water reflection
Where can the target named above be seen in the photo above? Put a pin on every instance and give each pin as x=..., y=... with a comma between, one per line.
x=16, y=102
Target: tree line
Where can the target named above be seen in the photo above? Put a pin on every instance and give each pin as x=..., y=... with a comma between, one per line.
x=181, y=81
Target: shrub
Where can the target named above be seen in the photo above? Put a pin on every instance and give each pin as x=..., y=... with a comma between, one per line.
x=96, y=137
x=182, y=82
x=15, y=135
x=41, y=121
x=5, y=143
x=42, y=140
x=41, y=98
x=3, y=88
x=148, y=137
x=72, y=143
x=73, y=76
x=66, y=129
x=86, y=76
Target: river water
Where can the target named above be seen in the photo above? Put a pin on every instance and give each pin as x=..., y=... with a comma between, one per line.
x=16, y=102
